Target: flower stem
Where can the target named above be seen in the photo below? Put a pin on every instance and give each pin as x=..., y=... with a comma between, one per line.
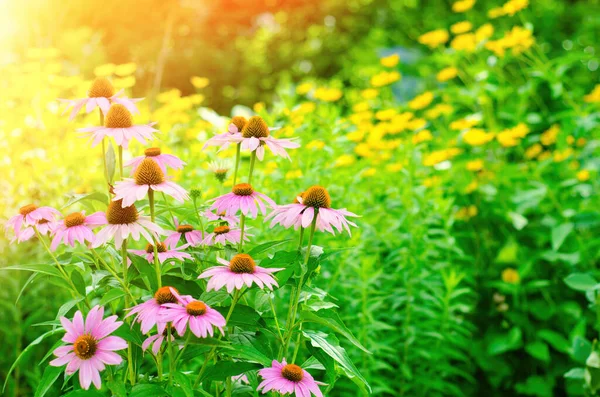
x=276, y=321
x=127, y=306
x=171, y=354
x=153, y=218
x=242, y=227
x=237, y=162
x=114, y=274
x=168, y=207
x=252, y=161
x=199, y=219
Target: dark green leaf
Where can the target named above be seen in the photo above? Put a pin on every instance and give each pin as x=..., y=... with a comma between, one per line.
x=50, y=375
x=333, y=321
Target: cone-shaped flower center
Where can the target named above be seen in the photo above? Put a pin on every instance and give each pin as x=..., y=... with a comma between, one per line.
x=256, y=127
x=301, y=195
x=74, y=219
x=164, y=295
x=160, y=247
x=316, y=196
x=85, y=346
x=152, y=152
x=148, y=173
x=118, y=117
x=29, y=208
x=195, y=308
x=221, y=229
x=242, y=263
x=184, y=228
x=239, y=122
x=117, y=215
x=292, y=372
x=242, y=189
x=101, y=87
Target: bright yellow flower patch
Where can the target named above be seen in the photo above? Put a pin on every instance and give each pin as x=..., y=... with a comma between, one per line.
x=446, y=74
x=477, y=137
x=421, y=101
x=382, y=79
x=435, y=38
x=390, y=61
x=463, y=5
x=461, y=27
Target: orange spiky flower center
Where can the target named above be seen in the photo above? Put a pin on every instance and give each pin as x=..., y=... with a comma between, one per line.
x=196, y=308
x=117, y=215
x=317, y=197
x=85, y=346
x=239, y=122
x=242, y=263
x=160, y=247
x=184, y=228
x=27, y=209
x=255, y=128
x=164, y=295
x=242, y=189
x=74, y=219
x=152, y=152
x=221, y=229
x=118, y=116
x=292, y=372
x=148, y=173
x=101, y=88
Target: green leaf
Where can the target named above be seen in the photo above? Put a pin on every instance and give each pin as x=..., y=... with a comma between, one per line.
x=242, y=316
x=538, y=350
x=580, y=281
x=249, y=353
x=518, y=220
x=581, y=349
x=117, y=387
x=64, y=309
x=259, y=249
x=333, y=321
x=575, y=373
x=50, y=375
x=75, y=198
x=77, y=280
x=185, y=383
x=505, y=342
x=559, y=234
x=147, y=390
x=36, y=268
x=556, y=340
x=85, y=393
x=331, y=346
x=111, y=296
x=224, y=369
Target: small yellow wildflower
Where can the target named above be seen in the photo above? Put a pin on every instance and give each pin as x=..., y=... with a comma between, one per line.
x=512, y=136
x=416, y=124
x=471, y=187
x=394, y=167
x=463, y=124
x=369, y=93
x=438, y=110
x=328, y=94
x=422, y=136
x=475, y=165
x=495, y=13
x=463, y=5
x=477, y=137
x=421, y=101
x=447, y=74
x=511, y=7
x=581, y=142
x=435, y=38
x=386, y=114
x=484, y=32
x=315, y=144
x=390, y=61
x=461, y=27
x=369, y=172
x=385, y=78
x=464, y=42
x=548, y=137
x=259, y=107
x=360, y=107
x=105, y=70
x=432, y=181
x=561, y=155
x=583, y=175
x=439, y=156
x=593, y=96
x=510, y=276
x=293, y=174
x=199, y=82
x=344, y=160
x=125, y=69
x=124, y=82
x=466, y=213
x=533, y=151
x=356, y=136
x=364, y=150
x=304, y=88
x=544, y=156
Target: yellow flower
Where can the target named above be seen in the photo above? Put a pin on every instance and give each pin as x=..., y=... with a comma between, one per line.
x=561, y=155
x=463, y=124
x=416, y=124
x=369, y=172
x=438, y=110
x=513, y=6
x=439, y=156
x=386, y=114
x=422, y=136
x=315, y=144
x=461, y=27
x=328, y=94
x=583, y=175
x=463, y=5
x=512, y=136
x=104, y=70
x=125, y=69
x=477, y=137
x=447, y=74
x=270, y=168
x=533, y=151
x=385, y=78
x=390, y=61
x=510, y=276
x=199, y=82
x=432, y=181
x=548, y=137
x=435, y=38
x=475, y=165
x=581, y=142
x=544, y=156
x=259, y=107
x=124, y=82
x=304, y=88
x=293, y=174
x=356, y=136
x=344, y=160
x=369, y=93
x=471, y=187
x=484, y=32
x=360, y=107
x=421, y=101
x=518, y=40
x=593, y=96
x=361, y=118
x=495, y=12
x=394, y=167
x=464, y=42
x=466, y=213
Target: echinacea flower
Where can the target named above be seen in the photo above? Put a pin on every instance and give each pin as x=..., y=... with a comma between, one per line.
x=242, y=198
x=43, y=218
x=101, y=94
x=223, y=140
x=288, y=378
x=192, y=237
x=219, y=168
x=118, y=124
x=156, y=341
x=148, y=313
x=77, y=227
x=239, y=271
x=147, y=176
x=313, y=202
x=222, y=216
x=123, y=222
x=90, y=346
x=256, y=135
x=200, y=317
x=164, y=252
x=163, y=160
x=223, y=234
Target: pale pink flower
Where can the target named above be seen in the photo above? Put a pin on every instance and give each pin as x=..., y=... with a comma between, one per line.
x=77, y=227
x=90, y=346
x=240, y=271
x=156, y=341
x=164, y=252
x=288, y=378
x=193, y=237
x=314, y=202
x=232, y=220
x=118, y=124
x=148, y=313
x=123, y=222
x=200, y=317
x=21, y=225
x=223, y=234
x=147, y=175
x=255, y=135
x=163, y=160
x=223, y=140
x=242, y=198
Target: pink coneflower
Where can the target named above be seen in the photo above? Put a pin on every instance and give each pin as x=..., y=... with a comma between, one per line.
x=192, y=237
x=232, y=220
x=43, y=218
x=223, y=140
x=219, y=168
x=255, y=135
x=242, y=197
x=101, y=94
x=119, y=125
x=288, y=378
x=199, y=315
x=164, y=251
x=91, y=347
x=147, y=175
x=148, y=313
x=239, y=271
x=163, y=160
x=223, y=234
x=156, y=341
x=314, y=202
x=77, y=227
x=123, y=222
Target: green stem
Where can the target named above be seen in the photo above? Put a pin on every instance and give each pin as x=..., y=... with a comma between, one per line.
x=127, y=305
x=168, y=207
x=114, y=274
x=237, y=162
x=252, y=161
x=171, y=354
x=242, y=227
x=199, y=219
x=157, y=268
x=301, y=239
x=276, y=321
